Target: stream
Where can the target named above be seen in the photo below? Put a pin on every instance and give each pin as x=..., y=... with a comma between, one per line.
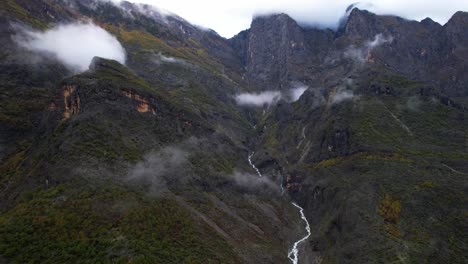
x=253, y=165
x=293, y=254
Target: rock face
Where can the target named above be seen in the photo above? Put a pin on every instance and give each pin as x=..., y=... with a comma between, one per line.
x=276, y=51
x=71, y=101
x=275, y=47
x=150, y=161
x=142, y=104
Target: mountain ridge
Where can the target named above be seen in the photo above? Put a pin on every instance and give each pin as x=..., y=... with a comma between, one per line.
x=158, y=161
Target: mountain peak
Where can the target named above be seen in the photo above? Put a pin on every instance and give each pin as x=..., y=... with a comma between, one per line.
x=359, y=23
x=460, y=18
x=430, y=24
x=279, y=17
x=456, y=27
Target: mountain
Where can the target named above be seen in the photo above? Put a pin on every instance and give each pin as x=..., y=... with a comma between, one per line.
x=201, y=149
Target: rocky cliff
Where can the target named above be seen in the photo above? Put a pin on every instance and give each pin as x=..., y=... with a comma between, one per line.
x=158, y=160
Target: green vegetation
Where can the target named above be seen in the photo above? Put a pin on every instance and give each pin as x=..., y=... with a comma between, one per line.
x=11, y=8
x=107, y=224
x=145, y=42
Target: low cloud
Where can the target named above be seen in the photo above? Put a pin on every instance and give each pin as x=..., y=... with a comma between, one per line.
x=252, y=182
x=230, y=17
x=157, y=167
x=74, y=45
x=296, y=93
x=378, y=40
x=167, y=59
x=413, y=103
x=343, y=92
x=342, y=95
x=170, y=166
x=258, y=99
x=364, y=53
x=268, y=98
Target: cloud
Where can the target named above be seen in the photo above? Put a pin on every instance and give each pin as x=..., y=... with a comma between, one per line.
x=74, y=45
x=158, y=167
x=170, y=166
x=251, y=182
x=268, y=98
x=413, y=103
x=258, y=99
x=230, y=17
x=296, y=93
x=378, y=40
x=341, y=94
x=363, y=53
x=167, y=59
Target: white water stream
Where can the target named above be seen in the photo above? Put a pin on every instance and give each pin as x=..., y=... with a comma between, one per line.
x=293, y=254
x=253, y=165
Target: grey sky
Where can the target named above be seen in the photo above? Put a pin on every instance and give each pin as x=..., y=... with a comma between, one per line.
x=230, y=17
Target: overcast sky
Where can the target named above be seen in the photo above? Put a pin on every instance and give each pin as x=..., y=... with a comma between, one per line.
x=228, y=17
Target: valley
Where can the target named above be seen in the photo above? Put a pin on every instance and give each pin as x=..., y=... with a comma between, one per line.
x=287, y=143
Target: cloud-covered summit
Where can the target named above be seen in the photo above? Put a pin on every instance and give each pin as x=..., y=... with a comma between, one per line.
x=74, y=45
x=230, y=17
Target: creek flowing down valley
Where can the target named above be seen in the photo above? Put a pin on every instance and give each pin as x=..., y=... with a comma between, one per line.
x=293, y=254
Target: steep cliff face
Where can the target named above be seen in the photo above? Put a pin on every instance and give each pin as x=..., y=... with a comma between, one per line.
x=416, y=47
x=276, y=51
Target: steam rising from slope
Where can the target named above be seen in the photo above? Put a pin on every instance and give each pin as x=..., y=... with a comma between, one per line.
x=74, y=45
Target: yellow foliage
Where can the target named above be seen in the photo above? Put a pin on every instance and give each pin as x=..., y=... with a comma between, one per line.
x=390, y=209
x=392, y=229
x=426, y=184
x=329, y=162
x=387, y=157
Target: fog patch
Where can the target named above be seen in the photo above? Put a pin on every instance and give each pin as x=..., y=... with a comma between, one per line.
x=296, y=93
x=74, y=45
x=251, y=182
x=378, y=40
x=165, y=167
x=341, y=94
x=364, y=53
x=266, y=98
x=343, y=91
x=157, y=167
x=149, y=11
x=413, y=103
x=160, y=58
x=318, y=99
